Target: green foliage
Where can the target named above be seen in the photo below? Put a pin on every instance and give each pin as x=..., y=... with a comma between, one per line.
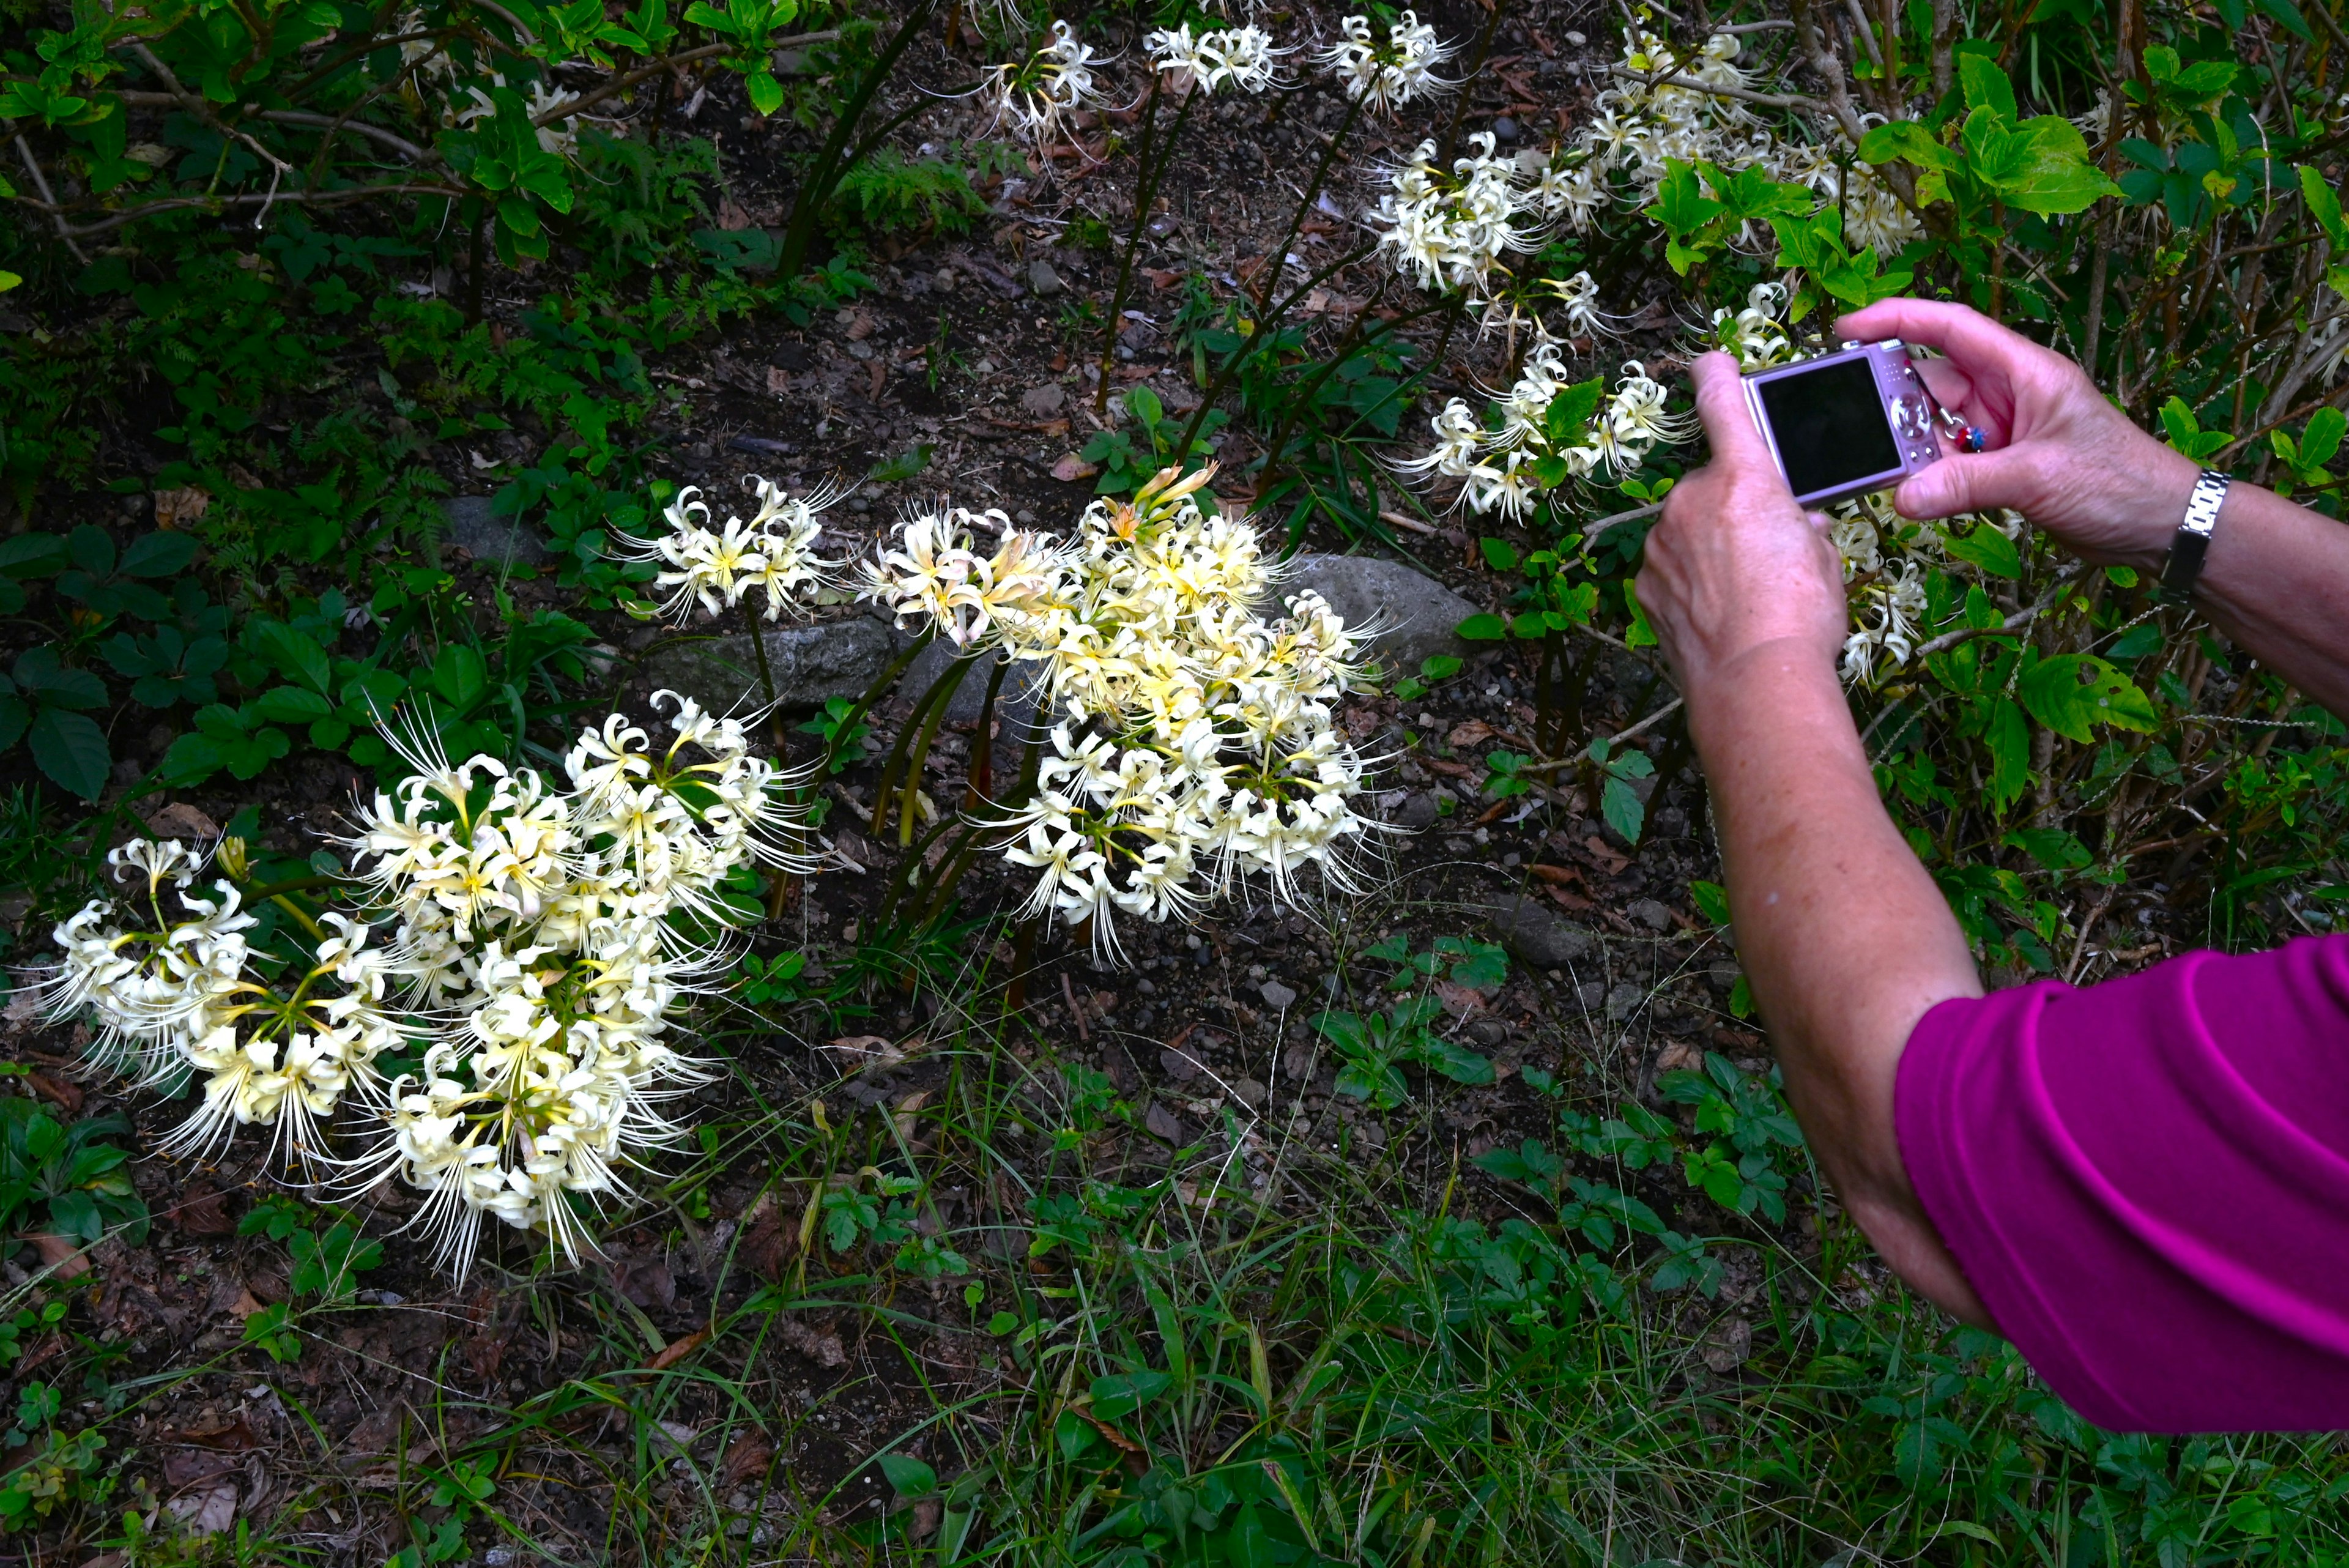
x=1127, y=464
x=65, y=1180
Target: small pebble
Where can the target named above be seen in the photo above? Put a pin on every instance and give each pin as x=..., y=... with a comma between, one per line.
x=1577, y=40
x=1277, y=996
x=1023, y=515
x=1505, y=130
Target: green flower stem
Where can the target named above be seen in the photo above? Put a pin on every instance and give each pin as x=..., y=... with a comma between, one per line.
x=1145, y=191
x=1239, y=356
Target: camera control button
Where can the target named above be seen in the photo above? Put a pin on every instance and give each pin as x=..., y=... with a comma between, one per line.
x=1910, y=417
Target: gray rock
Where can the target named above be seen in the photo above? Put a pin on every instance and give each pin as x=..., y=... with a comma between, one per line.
x=811, y=663
x=1044, y=400
x=1628, y=997
x=1652, y=914
x=486, y=537
x=1723, y=977
x=1277, y=996
x=1016, y=700
x=1414, y=614
x=1539, y=938
x=1250, y=1093
x=1043, y=279
x=1419, y=811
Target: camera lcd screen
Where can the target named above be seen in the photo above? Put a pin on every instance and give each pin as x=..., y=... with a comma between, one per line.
x=1829, y=426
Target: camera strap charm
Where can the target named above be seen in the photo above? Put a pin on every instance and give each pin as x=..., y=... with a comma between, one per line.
x=1968, y=437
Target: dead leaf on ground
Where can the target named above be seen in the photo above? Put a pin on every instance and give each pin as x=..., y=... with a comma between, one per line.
x=1160, y=278
x=1573, y=901
x=1460, y=1001
x=192, y=1467
x=732, y=216
x=228, y=1435
x=1470, y=732
x=62, y=1254
x=1679, y=1056
x=1727, y=1346
x=1610, y=860
x=1562, y=876
x=824, y=1348
x=644, y=1281
x=62, y=1093
x=1073, y=468
x=677, y=1350
x=184, y=504
x=746, y=1458
x=209, y=1511
x=779, y=380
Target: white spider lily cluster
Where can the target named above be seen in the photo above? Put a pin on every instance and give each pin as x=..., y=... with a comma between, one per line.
x=1758, y=334
x=1033, y=95
x=1383, y=75
x=1450, y=229
x=1665, y=107
x=1243, y=57
x=1884, y=557
x=169, y=977
x=1885, y=613
x=1194, y=741
x=547, y=935
x=715, y=565
x=1500, y=465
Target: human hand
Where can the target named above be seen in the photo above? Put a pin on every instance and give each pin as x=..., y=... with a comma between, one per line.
x=1734, y=565
x=2058, y=452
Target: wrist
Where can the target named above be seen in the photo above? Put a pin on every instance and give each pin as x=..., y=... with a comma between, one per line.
x=2142, y=517
x=1767, y=689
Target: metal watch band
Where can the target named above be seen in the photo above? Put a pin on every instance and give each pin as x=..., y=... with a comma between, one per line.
x=2192, y=541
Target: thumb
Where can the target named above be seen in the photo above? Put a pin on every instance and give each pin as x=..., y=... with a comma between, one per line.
x=1975, y=482
x=1729, y=426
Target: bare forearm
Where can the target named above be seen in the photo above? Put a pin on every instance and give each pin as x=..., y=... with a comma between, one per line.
x=1843, y=935
x=2276, y=580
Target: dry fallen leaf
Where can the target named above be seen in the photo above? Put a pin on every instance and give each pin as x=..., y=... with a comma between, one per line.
x=677, y=1350
x=1073, y=468
x=1473, y=731
x=207, y=1513
x=60, y=1253
x=184, y=504
x=181, y=820
x=62, y=1093
x=1458, y=1000
x=779, y=380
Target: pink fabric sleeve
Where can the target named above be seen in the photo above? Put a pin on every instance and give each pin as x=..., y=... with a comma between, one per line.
x=2147, y=1182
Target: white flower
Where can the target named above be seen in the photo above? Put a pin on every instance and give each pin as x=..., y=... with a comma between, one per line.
x=715, y=567
x=1032, y=97
x=1385, y=75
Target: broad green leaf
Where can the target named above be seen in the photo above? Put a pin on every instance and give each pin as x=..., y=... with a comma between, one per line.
x=2323, y=205
x=72, y=749
x=1986, y=547
x=1712, y=901
x=2071, y=692
x=2322, y=437
x=290, y=705
x=157, y=554
x=2008, y=740
x=765, y=92
x=1499, y=554
x=1986, y=87
x=1483, y=628
x=460, y=676
x=909, y=1477
x=1624, y=811
x=1121, y=1394
x=1909, y=139
x=2053, y=848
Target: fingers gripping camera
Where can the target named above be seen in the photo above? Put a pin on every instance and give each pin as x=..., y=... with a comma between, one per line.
x=1848, y=422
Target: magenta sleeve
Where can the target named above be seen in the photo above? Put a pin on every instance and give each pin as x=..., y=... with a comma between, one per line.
x=2147, y=1182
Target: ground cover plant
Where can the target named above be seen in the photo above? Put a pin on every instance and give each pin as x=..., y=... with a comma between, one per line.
x=1097, y=1046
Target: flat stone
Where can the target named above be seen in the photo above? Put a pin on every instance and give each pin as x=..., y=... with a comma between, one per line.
x=1538, y=936
x=1419, y=811
x=1277, y=996
x=1250, y=1093
x=1413, y=615
x=1016, y=700
x=1651, y=913
x=811, y=663
x=487, y=536
x=1044, y=400
x=1628, y=997
x=1043, y=279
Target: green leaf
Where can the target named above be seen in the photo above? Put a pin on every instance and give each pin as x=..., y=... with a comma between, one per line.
x=2053, y=848
x=1986, y=547
x=460, y=676
x=765, y=92
x=2071, y=692
x=2323, y=205
x=1906, y=139
x=1624, y=811
x=1566, y=421
x=158, y=554
x=1483, y=628
x=296, y=655
x=290, y=705
x=32, y=555
x=1986, y=87
x=1121, y=1394
x=72, y=749
x=2322, y=437
x=1499, y=554
x=909, y=1477
x=903, y=466
x=1712, y=901
x=2008, y=740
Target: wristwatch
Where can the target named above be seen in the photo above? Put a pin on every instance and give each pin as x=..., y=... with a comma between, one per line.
x=2192, y=541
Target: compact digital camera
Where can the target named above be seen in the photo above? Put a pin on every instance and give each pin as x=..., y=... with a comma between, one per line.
x=1845, y=423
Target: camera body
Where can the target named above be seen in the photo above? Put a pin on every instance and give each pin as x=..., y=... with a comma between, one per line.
x=1845, y=423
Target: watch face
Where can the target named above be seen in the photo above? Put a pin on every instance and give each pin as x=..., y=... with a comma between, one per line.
x=1829, y=426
